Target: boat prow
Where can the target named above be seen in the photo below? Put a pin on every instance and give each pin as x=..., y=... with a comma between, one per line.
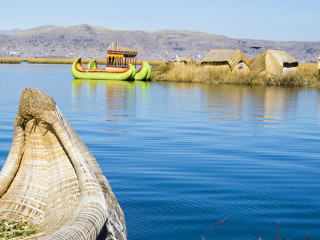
x=51, y=178
x=144, y=72
x=110, y=73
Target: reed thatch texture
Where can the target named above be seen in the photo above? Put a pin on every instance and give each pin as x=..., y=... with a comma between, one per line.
x=227, y=59
x=186, y=60
x=273, y=63
x=51, y=177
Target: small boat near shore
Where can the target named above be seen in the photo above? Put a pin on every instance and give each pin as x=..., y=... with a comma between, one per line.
x=109, y=73
x=121, y=64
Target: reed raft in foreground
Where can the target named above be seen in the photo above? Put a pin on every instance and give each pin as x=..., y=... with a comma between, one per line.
x=52, y=178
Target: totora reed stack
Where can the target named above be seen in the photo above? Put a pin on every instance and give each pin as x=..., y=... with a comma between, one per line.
x=52, y=179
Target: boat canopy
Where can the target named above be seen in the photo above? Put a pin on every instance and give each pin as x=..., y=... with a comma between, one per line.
x=120, y=56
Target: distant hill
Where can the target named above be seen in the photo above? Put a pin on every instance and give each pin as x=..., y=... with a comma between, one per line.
x=92, y=41
x=10, y=32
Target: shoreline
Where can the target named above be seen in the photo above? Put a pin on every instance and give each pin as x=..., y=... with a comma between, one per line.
x=305, y=75
x=4, y=60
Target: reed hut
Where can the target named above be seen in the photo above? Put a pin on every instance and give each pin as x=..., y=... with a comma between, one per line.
x=185, y=60
x=273, y=63
x=227, y=60
x=52, y=179
x=319, y=64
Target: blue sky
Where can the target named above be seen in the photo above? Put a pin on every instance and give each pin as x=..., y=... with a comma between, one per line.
x=281, y=20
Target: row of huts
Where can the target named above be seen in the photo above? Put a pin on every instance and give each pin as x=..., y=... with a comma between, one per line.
x=270, y=62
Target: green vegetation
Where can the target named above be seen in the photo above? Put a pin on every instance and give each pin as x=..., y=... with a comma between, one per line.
x=199, y=74
x=12, y=229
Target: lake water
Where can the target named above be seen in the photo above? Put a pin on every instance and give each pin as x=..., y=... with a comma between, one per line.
x=181, y=157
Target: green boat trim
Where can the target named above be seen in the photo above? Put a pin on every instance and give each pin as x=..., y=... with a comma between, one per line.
x=111, y=73
x=144, y=72
x=149, y=73
x=93, y=65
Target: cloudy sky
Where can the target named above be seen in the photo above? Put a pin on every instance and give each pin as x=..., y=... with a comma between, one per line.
x=281, y=20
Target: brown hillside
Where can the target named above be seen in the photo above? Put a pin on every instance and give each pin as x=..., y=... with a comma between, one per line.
x=92, y=41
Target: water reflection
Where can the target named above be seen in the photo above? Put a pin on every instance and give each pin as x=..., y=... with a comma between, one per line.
x=120, y=97
x=218, y=103
x=83, y=88
x=233, y=102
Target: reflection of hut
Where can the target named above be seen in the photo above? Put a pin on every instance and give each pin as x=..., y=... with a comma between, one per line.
x=185, y=60
x=227, y=59
x=273, y=63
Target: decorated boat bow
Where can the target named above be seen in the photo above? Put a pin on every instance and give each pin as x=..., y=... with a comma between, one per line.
x=51, y=178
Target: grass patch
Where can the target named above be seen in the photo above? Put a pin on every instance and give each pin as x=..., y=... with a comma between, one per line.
x=12, y=60
x=12, y=229
x=50, y=61
x=306, y=74
x=151, y=62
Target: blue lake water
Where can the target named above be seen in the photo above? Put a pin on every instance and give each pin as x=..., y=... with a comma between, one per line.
x=181, y=157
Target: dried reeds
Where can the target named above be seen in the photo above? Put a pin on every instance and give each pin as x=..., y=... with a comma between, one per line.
x=308, y=68
x=200, y=74
x=51, y=177
x=50, y=61
x=12, y=60
x=213, y=226
x=218, y=223
x=305, y=75
x=151, y=62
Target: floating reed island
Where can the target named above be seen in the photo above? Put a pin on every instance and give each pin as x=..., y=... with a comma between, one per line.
x=233, y=67
x=306, y=75
x=51, y=181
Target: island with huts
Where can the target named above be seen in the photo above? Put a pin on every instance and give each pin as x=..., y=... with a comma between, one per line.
x=232, y=66
x=228, y=66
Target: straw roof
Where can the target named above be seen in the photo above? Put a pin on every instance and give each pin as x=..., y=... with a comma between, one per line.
x=51, y=177
x=187, y=60
x=226, y=56
x=272, y=62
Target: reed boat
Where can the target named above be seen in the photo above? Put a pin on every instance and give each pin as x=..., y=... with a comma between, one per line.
x=52, y=179
x=109, y=73
x=144, y=72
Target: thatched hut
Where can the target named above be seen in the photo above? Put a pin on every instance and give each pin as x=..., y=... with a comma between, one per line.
x=273, y=63
x=227, y=59
x=185, y=60
x=51, y=178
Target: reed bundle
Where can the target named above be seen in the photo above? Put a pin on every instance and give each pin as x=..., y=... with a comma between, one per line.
x=51, y=177
x=306, y=74
x=51, y=60
x=12, y=60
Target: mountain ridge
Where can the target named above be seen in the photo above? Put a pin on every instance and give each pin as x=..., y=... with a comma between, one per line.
x=92, y=41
